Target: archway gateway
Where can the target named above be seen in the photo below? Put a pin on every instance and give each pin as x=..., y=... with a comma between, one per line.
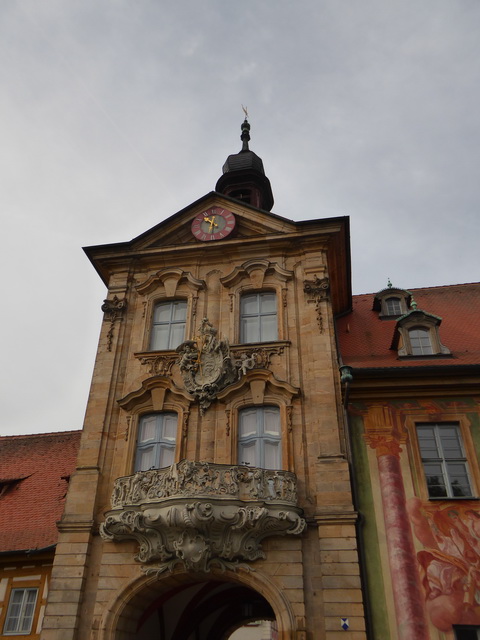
x=191, y=610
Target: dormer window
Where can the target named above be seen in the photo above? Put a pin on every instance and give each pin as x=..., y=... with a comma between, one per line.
x=393, y=306
x=420, y=342
x=391, y=303
x=416, y=335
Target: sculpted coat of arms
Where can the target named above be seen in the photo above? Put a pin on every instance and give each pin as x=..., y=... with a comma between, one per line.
x=207, y=366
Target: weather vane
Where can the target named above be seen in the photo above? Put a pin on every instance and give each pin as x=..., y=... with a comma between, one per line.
x=245, y=111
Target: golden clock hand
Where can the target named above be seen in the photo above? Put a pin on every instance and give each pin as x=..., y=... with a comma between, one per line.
x=213, y=224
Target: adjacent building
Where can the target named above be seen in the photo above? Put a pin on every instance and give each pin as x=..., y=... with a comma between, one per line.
x=34, y=475
x=411, y=372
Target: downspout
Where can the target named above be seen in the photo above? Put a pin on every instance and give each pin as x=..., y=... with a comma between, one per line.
x=346, y=378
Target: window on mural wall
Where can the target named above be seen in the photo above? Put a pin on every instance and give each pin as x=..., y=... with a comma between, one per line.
x=258, y=317
x=444, y=461
x=466, y=632
x=259, y=443
x=168, y=325
x=21, y=609
x=157, y=434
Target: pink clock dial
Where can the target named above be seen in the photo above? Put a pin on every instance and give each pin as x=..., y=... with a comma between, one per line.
x=213, y=224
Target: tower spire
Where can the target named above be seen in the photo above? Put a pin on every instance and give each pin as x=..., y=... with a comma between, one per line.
x=243, y=175
x=245, y=137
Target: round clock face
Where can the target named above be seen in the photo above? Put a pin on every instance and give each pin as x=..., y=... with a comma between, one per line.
x=213, y=224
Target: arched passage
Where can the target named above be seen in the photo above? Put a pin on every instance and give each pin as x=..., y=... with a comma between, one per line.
x=192, y=607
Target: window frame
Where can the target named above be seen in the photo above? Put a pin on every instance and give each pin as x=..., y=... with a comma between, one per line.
x=417, y=348
x=34, y=615
x=249, y=293
x=443, y=460
x=171, y=323
x=465, y=627
x=387, y=311
x=261, y=438
x=160, y=443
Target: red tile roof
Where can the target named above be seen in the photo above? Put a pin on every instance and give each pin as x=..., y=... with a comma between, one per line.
x=34, y=472
x=365, y=340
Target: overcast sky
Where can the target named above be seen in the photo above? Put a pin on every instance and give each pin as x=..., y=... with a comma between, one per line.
x=118, y=113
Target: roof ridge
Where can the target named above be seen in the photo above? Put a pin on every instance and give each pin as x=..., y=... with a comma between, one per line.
x=437, y=286
x=43, y=435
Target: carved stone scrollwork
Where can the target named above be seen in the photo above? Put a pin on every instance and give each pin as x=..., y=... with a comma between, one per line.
x=255, y=357
x=158, y=365
x=200, y=515
x=318, y=290
x=113, y=310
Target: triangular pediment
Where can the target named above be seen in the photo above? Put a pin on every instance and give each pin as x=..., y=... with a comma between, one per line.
x=177, y=229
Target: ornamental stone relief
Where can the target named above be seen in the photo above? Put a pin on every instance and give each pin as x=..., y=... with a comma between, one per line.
x=317, y=290
x=113, y=310
x=202, y=479
x=201, y=515
x=208, y=364
x=158, y=365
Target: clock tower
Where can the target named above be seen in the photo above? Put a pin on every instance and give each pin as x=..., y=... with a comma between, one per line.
x=212, y=486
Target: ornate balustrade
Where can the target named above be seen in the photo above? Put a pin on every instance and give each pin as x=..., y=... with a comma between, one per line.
x=198, y=514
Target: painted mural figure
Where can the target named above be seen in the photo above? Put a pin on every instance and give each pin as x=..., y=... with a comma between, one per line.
x=450, y=562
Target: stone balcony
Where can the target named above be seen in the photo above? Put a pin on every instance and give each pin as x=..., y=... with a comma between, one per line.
x=199, y=515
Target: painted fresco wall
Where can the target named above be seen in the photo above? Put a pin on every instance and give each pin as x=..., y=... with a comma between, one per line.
x=421, y=556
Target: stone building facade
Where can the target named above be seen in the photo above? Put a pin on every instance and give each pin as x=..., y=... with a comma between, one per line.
x=212, y=486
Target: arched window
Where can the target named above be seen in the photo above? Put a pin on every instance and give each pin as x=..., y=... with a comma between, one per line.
x=393, y=306
x=420, y=341
x=258, y=317
x=157, y=434
x=259, y=437
x=168, y=326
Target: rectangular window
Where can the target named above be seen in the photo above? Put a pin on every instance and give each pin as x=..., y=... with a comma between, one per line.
x=157, y=434
x=258, y=317
x=21, y=609
x=393, y=306
x=420, y=342
x=466, y=632
x=259, y=438
x=444, y=460
x=168, y=327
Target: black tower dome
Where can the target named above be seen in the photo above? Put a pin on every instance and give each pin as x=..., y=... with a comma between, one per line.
x=244, y=177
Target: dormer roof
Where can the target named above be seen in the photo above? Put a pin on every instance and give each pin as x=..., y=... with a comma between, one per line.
x=365, y=340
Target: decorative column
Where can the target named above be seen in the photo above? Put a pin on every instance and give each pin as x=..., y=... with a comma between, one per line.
x=382, y=436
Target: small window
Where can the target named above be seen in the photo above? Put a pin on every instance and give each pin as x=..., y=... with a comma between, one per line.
x=444, y=460
x=259, y=438
x=420, y=342
x=393, y=307
x=157, y=434
x=258, y=321
x=21, y=609
x=466, y=632
x=168, y=326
